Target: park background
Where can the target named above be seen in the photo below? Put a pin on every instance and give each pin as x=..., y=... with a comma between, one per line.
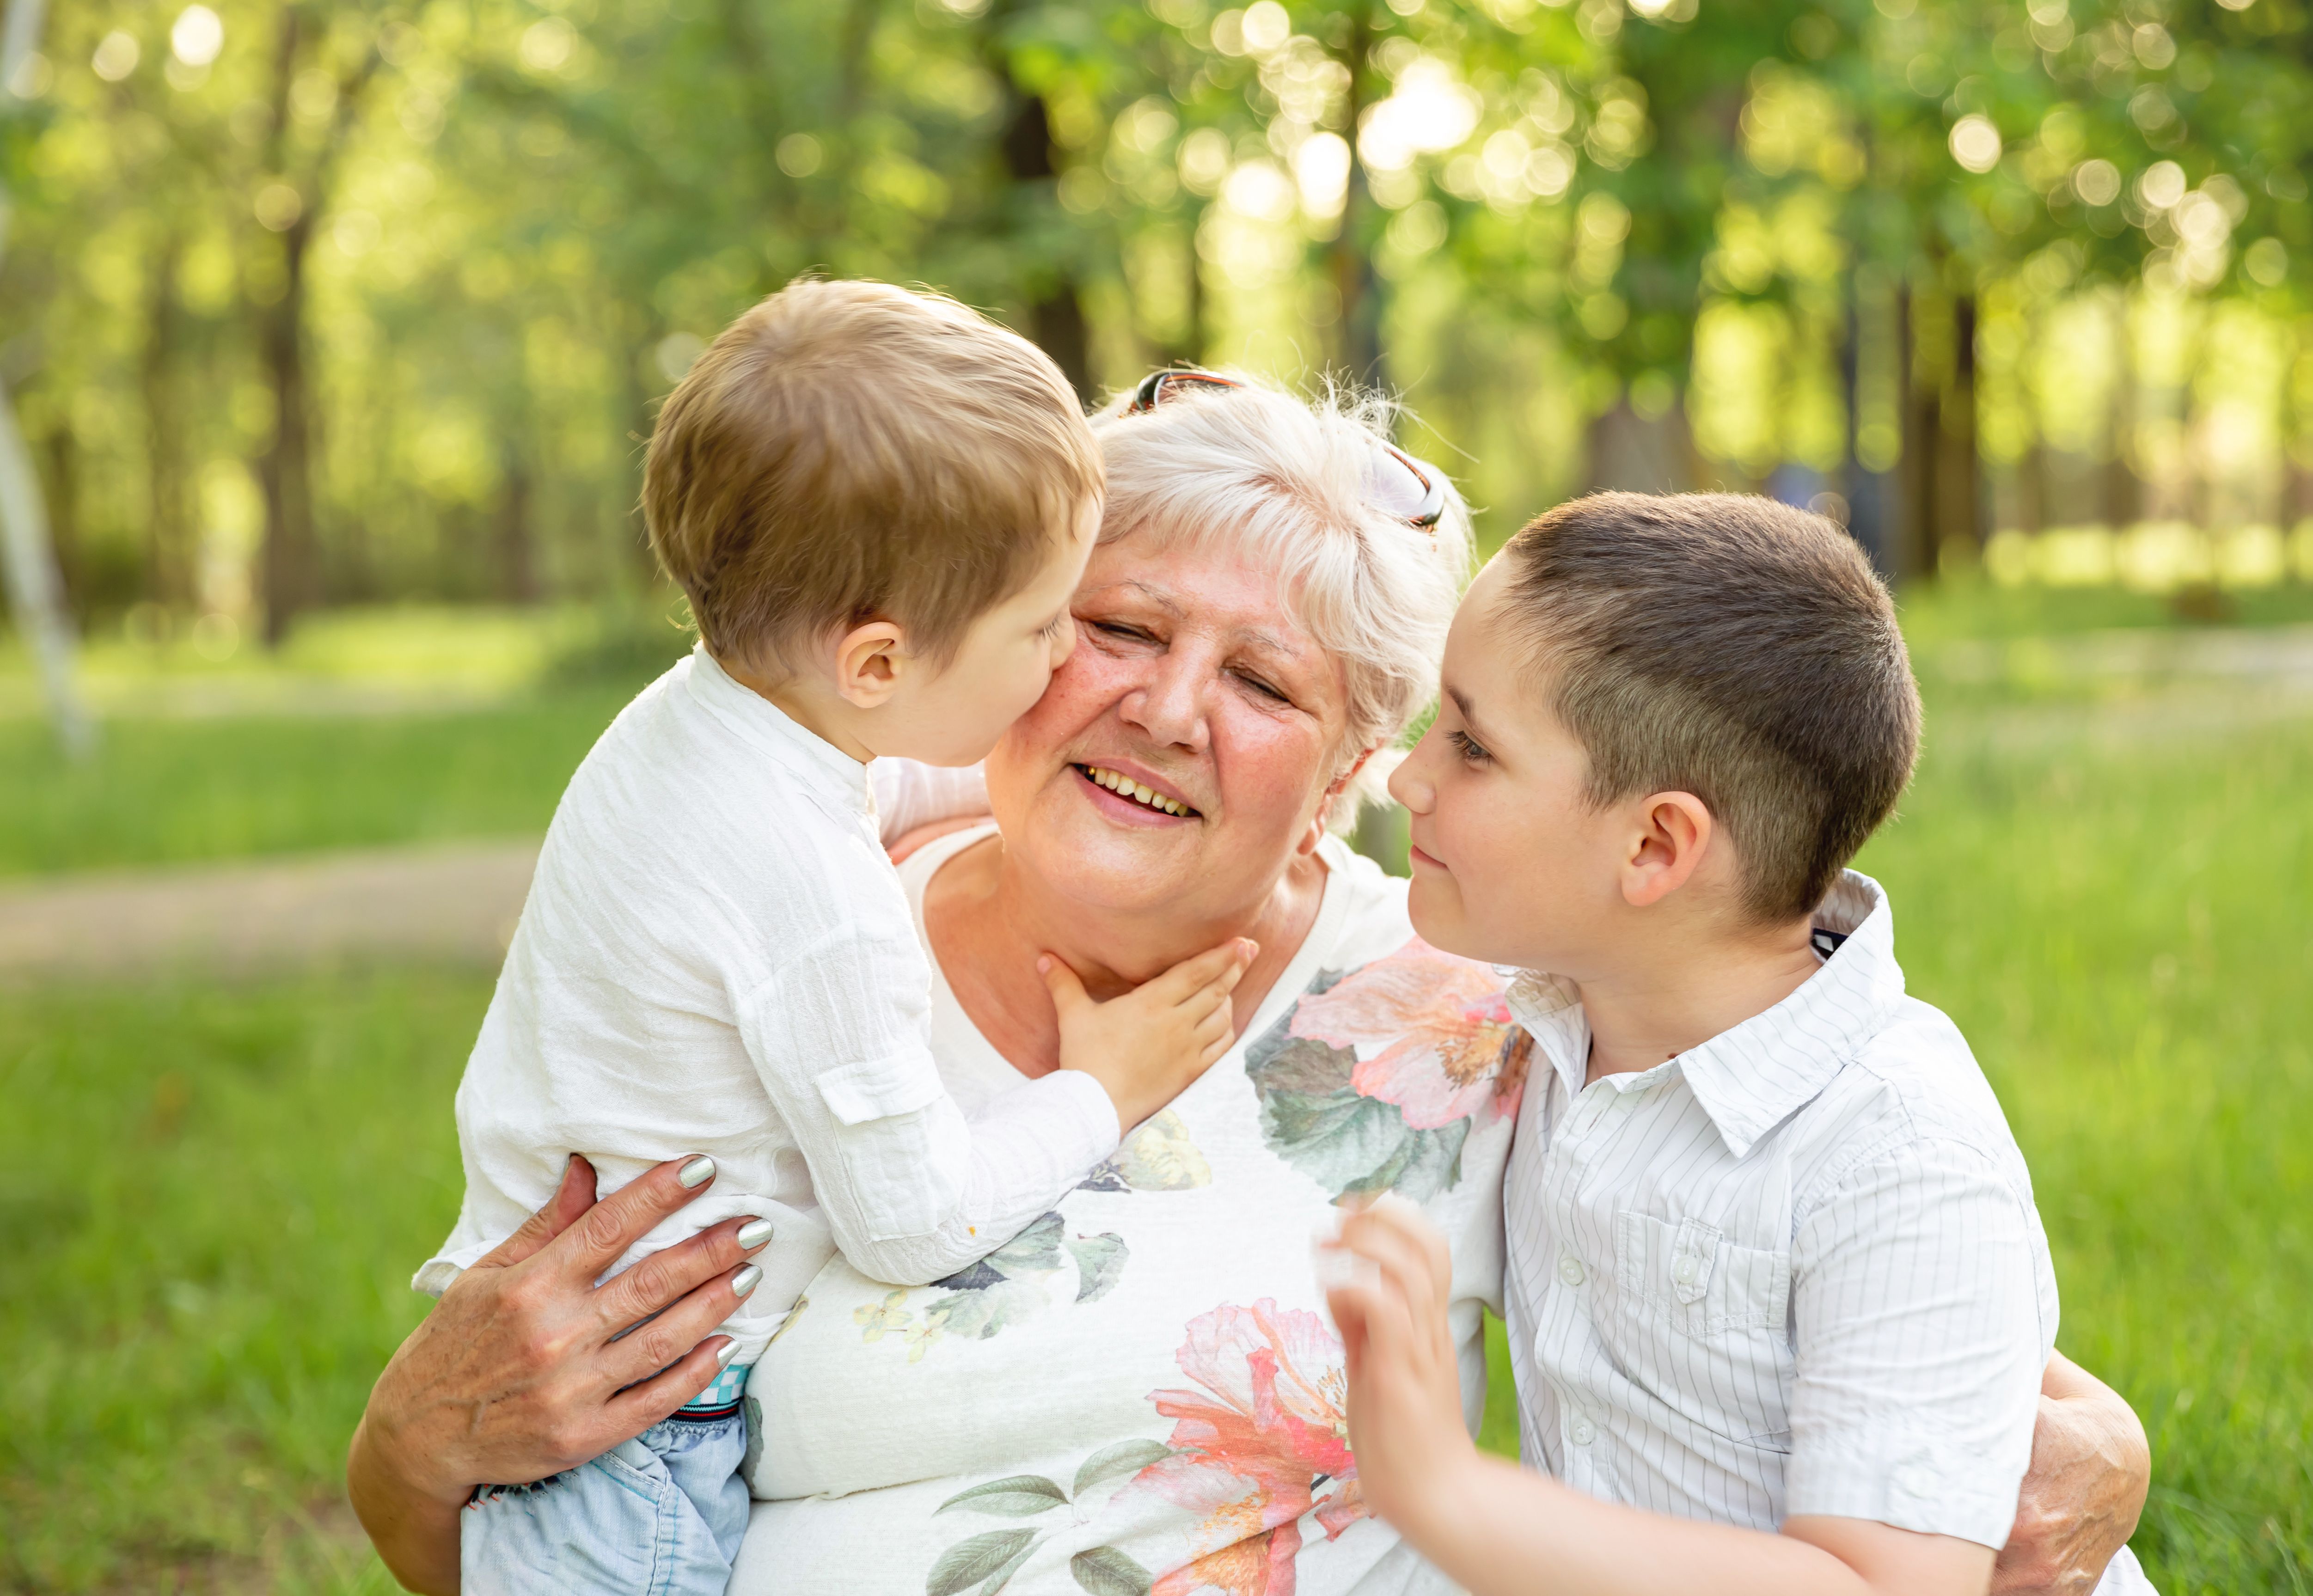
x=331, y=333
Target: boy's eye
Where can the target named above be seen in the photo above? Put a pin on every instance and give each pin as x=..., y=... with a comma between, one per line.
x=1051, y=632
x=1468, y=746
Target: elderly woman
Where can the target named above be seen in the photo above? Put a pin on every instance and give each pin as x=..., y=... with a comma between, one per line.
x=1139, y=1392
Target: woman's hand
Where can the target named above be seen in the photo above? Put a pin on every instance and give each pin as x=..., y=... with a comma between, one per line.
x=1391, y=1277
x=2080, y=1501
x=523, y=1370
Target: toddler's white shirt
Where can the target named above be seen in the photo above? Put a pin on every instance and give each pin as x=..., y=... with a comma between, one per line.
x=717, y=957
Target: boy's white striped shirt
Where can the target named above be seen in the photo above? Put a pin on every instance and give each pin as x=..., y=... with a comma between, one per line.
x=1794, y=1270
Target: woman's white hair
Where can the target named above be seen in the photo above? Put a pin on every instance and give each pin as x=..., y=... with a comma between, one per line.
x=1292, y=486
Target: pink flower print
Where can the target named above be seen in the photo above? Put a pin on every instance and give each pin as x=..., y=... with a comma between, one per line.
x=1261, y=1443
x=1432, y=1033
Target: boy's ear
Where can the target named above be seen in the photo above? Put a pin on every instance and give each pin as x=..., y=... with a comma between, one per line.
x=1673, y=831
x=869, y=661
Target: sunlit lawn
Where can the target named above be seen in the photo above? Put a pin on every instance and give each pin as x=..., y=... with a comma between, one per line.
x=210, y=1199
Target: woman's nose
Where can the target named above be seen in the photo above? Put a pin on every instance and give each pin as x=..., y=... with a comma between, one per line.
x=1169, y=706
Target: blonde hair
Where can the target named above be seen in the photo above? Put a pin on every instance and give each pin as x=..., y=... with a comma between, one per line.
x=852, y=449
x=1290, y=485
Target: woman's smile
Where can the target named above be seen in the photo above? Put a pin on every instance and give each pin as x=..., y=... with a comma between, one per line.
x=1129, y=792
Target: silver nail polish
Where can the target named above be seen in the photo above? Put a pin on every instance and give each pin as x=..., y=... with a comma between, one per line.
x=697, y=1173
x=753, y=1234
x=746, y=1280
x=725, y=1353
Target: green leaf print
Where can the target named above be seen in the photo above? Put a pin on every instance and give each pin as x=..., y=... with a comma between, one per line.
x=1126, y=1457
x=1015, y=1496
x=993, y=1556
x=1100, y=1260
x=1317, y=1120
x=1106, y=1572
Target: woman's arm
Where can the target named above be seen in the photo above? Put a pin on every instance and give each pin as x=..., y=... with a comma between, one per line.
x=523, y=1370
x=1498, y=1528
x=2091, y=1466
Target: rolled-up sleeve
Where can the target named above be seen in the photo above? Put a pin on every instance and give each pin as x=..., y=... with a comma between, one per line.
x=912, y=1192
x=1920, y=1343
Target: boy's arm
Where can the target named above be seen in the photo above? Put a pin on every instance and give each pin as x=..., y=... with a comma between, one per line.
x=1496, y=1528
x=913, y=1191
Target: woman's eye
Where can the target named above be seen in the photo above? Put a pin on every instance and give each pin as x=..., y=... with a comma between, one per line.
x=1118, y=630
x=1262, y=688
x=1468, y=748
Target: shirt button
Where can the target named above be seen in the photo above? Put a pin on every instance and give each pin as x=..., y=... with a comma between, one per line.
x=1684, y=1271
x=1581, y=1432
x=1570, y=1269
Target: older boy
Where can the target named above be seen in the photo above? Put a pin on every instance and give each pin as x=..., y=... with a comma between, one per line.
x=1778, y=1298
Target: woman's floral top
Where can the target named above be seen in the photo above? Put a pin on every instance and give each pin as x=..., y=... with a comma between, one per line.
x=1139, y=1395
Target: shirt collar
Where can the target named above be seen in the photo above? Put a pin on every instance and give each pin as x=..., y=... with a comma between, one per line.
x=836, y=780
x=1751, y=1077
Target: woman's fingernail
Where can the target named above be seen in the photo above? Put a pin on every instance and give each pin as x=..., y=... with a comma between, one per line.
x=697, y=1173
x=745, y=1281
x=753, y=1234
x=725, y=1353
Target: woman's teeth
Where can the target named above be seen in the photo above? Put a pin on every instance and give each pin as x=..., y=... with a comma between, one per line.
x=1124, y=786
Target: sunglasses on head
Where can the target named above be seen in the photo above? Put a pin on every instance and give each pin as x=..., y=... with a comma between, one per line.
x=1413, y=492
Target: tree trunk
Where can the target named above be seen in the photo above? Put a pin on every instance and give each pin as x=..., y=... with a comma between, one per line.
x=1916, y=473
x=62, y=449
x=284, y=471
x=2124, y=492
x=1358, y=343
x=168, y=530
x=518, y=547
x=1867, y=490
x=1056, y=318
x=1629, y=453
x=1959, y=485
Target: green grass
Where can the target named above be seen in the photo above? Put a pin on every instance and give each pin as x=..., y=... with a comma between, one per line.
x=185, y=791
x=210, y=1199
x=210, y=1202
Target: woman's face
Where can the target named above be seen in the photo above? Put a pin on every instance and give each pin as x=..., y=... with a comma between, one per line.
x=1190, y=679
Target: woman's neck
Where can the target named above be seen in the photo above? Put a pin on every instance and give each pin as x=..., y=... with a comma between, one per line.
x=989, y=920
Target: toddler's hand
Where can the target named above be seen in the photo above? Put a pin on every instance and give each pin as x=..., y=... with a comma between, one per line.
x=1388, y=1278
x=1148, y=1045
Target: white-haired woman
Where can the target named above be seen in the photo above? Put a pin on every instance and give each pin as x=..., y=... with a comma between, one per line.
x=1138, y=1393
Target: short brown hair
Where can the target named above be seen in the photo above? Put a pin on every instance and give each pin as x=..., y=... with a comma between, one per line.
x=1731, y=647
x=849, y=449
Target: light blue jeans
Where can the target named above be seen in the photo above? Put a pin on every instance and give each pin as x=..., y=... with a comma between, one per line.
x=660, y=1515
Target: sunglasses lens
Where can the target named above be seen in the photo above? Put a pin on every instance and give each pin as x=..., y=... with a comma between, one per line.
x=1408, y=489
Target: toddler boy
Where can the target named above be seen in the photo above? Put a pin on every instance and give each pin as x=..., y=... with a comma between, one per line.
x=1779, y=1300
x=879, y=505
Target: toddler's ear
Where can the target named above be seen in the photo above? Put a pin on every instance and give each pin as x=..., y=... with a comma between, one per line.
x=869, y=661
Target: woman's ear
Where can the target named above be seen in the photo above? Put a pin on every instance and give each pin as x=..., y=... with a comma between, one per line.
x=1674, y=832
x=869, y=661
x=1340, y=784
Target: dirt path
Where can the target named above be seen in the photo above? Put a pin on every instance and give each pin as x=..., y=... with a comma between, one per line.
x=452, y=902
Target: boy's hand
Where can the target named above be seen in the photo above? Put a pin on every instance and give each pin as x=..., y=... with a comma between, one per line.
x=1390, y=1277
x=1148, y=1045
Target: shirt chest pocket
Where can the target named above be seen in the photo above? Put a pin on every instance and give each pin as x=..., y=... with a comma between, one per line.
x=1703, y=1320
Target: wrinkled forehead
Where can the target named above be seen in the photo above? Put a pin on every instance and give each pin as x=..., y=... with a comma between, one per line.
x=1213, y=586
